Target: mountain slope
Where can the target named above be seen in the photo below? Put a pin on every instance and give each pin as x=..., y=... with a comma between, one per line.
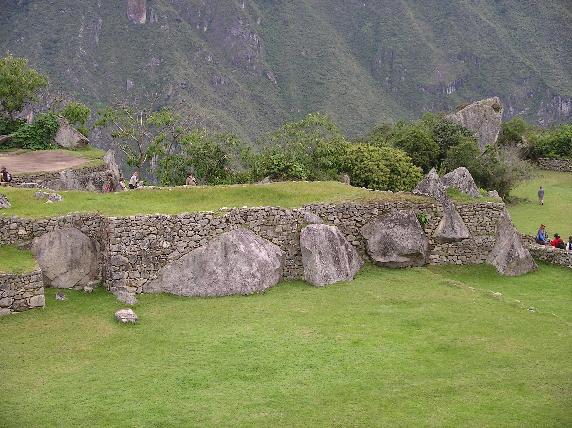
x=249, y=65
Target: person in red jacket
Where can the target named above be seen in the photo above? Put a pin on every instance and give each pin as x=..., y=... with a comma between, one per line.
x=557, y=242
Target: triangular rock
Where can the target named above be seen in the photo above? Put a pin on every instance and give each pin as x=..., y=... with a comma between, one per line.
x=431, y=185
x=462, y=180
x=509, y=255
x=452, y=228
x=4, y=202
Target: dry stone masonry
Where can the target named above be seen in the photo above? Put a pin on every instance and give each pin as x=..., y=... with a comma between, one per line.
x=19, y=292
x=562, y=165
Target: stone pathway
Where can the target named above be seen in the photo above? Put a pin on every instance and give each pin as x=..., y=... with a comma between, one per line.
x=40, y=161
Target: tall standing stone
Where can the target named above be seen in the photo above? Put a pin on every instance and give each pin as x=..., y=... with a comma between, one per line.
x=509, y=255
x=432, y=186
x=327, y=256
x=462, y=180
x=451, y=228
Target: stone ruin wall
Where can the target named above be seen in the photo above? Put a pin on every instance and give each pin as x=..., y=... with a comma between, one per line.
x=134, y=248
x=561, y=165
x=21, y=292
x=42, y=177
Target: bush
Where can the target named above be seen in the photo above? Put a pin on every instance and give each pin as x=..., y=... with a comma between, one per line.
x=380, y=168
x=418, y=144
x=8, y=126
x=36, y=136
x=466, y=154
x=554, y=143
x=512, y=132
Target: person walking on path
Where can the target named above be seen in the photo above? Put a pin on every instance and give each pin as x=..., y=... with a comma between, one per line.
x=541, y=195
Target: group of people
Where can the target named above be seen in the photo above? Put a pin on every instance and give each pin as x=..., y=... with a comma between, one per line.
x=5, y=176
x=134, y=182
x=556, y=242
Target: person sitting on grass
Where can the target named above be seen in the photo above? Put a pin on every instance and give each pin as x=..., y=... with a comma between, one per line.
x=569, y=244
x=122, y=184
x=5, y=176
x=134, y=180
x=541, y=237
x=109, y=185
x=557, y=242
x=191, y=180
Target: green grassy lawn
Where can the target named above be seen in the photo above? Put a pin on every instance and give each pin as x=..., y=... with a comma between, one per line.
x=15, y=260
x=94, y=155
x=178, y=200
x=556, y=213
x=416, y=347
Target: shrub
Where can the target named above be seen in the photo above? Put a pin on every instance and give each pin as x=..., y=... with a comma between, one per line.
x=380, y=168
x=417, y=142
x=76, y=114
x=465, y=153
x=37, y=136
x=8, y=126
x=552, y=143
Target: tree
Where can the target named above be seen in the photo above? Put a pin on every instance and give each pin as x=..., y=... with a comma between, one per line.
x=19, y=84
x=77, y=114
x=418, y=144
x=143, y=135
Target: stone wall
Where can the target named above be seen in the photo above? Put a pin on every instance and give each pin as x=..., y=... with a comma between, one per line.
x=134, y=248
x=562, y=165
x=43, y=178
x=139, y=246
x=550, y=254
x=21, y=292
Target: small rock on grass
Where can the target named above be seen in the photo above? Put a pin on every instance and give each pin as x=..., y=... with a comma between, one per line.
x=126, y=316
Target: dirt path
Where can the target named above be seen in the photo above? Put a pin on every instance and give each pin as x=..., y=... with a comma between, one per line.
x=19, y=163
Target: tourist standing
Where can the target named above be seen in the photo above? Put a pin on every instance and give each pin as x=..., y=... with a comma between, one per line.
x=541, y=195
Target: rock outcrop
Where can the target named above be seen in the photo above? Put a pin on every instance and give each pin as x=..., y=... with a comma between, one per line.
x=77, y=180
x=69, y=137
x=236, y=262
x=431, y=185
x=451, y=228
x=462, y=180
x=396, y=240
x=483, y=118
x=510, y=256
x=4, y=202
x=327, y=256
x=67, y=257
x=49, y=197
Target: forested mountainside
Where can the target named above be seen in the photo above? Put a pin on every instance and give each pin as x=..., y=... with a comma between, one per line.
x=249, y=65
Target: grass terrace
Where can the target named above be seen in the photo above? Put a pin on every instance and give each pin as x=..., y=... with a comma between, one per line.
x=406, y=347
x=181, y=199
x=556, y=213
x=16, y=260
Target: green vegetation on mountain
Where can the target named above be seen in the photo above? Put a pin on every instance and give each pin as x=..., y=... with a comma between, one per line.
x=247, y=66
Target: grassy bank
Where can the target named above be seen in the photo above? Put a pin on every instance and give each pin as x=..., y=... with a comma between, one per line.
x=556, y=213
x=15, y=260
x=416, y=347
x=178, y=200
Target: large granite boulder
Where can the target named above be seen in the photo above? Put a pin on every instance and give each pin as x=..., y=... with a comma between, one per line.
x=111, y=163
x=70, y=179
x=483, y=118
x=510, y=256
x=396, y=240
x=4, y=202
x=69, y=137
x=462, y=180
x=67, y=257
x=327, y=256
x=236, y=262
x=451, y=228
x=431, y=185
